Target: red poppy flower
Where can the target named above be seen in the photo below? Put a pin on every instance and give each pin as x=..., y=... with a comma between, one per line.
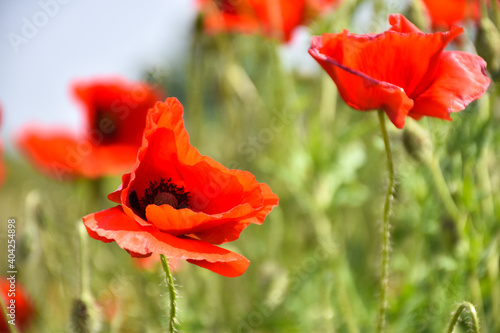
x=21, y=310
x=275, y=19
x=115, y=116
x=179, y=203
x=402, y=71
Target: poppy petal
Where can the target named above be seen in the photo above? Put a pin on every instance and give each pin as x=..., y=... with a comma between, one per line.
x=401, y=24
x=62, y=156
x=55, y=153
x=169, y=115
x=228, y=269
x=114, y=224
x=230, y=231
x=362, y=92
x=108, y=159
x=461, y=79
x=116, y=108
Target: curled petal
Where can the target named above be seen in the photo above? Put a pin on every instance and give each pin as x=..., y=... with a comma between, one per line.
x=229, y=268
x=401, y=24
x=114, y=225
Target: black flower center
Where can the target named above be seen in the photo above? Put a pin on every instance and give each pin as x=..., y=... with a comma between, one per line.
x=165, y=192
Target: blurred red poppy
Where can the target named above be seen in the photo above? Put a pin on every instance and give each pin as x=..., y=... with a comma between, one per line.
x=275, y=19
x=445, y=13
x=115, y=116
x=21, y=309
x=179, y=203
x=402, y=71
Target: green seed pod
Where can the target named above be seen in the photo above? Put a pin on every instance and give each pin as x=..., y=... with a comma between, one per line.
x=417, y=142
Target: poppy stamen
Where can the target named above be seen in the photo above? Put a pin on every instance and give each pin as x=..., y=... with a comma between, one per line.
x=166, y=192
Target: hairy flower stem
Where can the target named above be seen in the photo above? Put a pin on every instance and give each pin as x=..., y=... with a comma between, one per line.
x=458, y=312
x=386, y=233
x=173, y=293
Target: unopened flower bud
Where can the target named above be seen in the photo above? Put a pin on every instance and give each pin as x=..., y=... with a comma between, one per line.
x=80, y=321
x=417, y=142
x=85, y=316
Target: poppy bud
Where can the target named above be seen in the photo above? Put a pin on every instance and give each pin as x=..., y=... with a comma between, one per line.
x=80, y=317
x=84, y=316
x=417, y=142
x=488, y=44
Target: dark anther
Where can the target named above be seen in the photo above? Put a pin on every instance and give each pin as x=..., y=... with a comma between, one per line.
x=165, y=192
x=133, y=201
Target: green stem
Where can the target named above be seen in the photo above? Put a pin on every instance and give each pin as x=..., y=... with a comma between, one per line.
x=84, y=263
x=173, y=293
x=279, y=77
x=96, y=193
x=458, y=312
x=386, y=233
x=12, y=328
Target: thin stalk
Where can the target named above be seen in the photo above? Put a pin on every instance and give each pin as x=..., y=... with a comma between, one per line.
x=96, y=193
x=463, y=306
x=194, y=86
x=173, y=293
x=83, y=315
x=444, y=194
x=386, y=232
